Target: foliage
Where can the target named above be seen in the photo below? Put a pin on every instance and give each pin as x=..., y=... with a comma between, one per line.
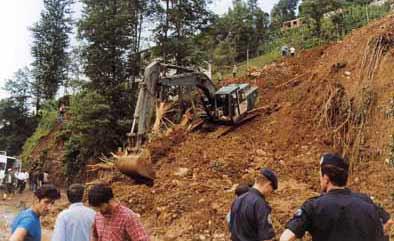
x=90, y=131
x=16, y=120
x=178, y=22
x=237, y=34
x=224, y=54
x=47, y=121
x=20, y=88
x=16, y=125
x=313, y=12
x=284, y=10
x=332, y=28
x=111, y=31
x=108, y=28
x=49, y=50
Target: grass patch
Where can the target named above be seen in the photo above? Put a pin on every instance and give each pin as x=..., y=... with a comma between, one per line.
x=254, y=63
x=47, y=123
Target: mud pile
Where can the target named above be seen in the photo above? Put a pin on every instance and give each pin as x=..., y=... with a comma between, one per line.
x=333, y=98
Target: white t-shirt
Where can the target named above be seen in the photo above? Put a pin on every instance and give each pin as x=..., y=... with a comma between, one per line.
x=19, y=175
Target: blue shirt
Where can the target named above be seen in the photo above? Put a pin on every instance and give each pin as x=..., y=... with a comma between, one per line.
x=29, y=221
x=74, y=224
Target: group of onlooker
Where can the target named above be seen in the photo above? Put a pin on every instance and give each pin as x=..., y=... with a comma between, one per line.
x=13, y=180
x=106, y=220
x=37, y=179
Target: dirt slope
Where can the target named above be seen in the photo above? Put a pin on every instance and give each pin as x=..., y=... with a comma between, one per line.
x=333, y=98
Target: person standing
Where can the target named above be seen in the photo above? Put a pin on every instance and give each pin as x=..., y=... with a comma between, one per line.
x=292, y=51
x=26, y=178
x=74, y=223
x=239, y=191
x=250, y=217
x=9, y=182
x=62, y=110
x=27, y=226
x=21, y=181
x=113, y=221
x=235, y=70
x=34, y=176
x=45, y=177
x=285, y=50
x=40, y=178
x=338, y=214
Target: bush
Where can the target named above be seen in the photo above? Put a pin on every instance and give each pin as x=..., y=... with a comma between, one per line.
x=47, y=121
x=90, y=131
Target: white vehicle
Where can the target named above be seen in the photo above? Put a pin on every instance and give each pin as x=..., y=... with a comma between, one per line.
x=7, y=162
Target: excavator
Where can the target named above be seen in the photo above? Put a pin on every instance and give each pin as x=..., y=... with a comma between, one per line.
x=228, y=105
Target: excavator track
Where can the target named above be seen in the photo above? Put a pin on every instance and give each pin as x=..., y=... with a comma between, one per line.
x=224, y=130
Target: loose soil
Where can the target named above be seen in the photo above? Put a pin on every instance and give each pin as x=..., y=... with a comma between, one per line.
x=332, y=98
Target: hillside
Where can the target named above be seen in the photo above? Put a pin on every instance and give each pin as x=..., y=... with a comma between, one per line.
x=333, y=98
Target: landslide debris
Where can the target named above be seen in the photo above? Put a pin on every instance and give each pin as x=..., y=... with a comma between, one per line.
x=331, y=98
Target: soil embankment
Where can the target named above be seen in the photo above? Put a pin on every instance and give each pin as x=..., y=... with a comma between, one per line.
x=337, y=97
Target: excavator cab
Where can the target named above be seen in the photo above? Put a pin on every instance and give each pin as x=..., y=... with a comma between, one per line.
x=232, y=102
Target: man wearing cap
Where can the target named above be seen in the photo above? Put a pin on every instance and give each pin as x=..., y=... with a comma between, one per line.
x=250, y=217
x=338, y=214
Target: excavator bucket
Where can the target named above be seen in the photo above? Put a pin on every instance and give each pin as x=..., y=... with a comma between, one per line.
x=135, y=165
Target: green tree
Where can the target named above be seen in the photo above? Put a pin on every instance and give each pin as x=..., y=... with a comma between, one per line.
x=284, y=10
x=179, y=22
x=49, y=50
x=245, y=26
x=101, y=114
x=112, y=33
x=20, y=88
x=90, y=130
x=224, y=54
x=16, y=125
x=314, y=10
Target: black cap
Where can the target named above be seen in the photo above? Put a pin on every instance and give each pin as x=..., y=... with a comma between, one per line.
x=270, y=175
x=334, y=160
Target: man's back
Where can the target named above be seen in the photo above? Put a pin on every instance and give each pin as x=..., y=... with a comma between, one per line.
x=339, y=215
x=251, y=218
x=74, y=224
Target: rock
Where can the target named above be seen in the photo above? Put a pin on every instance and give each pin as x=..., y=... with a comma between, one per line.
x=215, y=206
x=356, y=180
x=260, y=152
x=182, y=171
x=348, y=73
x=202, y=237
x=173, y=234
x=218, y=236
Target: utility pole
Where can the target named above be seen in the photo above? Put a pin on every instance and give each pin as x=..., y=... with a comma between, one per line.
x=247, y=58
x=366, y=10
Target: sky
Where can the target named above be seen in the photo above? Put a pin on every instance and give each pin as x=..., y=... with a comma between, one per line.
x=17, y=16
